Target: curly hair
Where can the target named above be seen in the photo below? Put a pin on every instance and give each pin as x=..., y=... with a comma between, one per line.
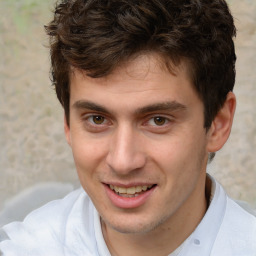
x=96, y=36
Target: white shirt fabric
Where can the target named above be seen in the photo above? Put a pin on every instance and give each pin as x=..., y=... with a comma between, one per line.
x=71, y=227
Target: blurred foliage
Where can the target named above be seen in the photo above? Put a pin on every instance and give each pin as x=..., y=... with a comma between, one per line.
x=23, y=15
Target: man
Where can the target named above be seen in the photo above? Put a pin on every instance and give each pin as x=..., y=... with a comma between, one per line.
x=146, y=88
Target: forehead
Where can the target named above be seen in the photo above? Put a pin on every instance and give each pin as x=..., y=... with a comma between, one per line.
x=144, y=78
x=138, y=68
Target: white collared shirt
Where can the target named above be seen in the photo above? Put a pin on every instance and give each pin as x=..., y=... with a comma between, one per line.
x=71, y=227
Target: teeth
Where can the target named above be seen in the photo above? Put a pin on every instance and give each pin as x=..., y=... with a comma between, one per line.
x=131, y=190
x=144, y=188
x=121, y=190
x=138, y=189
x=116, y=189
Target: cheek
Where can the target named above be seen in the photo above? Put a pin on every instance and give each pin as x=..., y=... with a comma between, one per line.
x=182, y=167
x=170, y=153
x=88, y=156
x=88, y=153
x=180, y=157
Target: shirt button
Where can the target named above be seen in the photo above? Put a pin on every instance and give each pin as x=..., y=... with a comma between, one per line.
x=196, y=241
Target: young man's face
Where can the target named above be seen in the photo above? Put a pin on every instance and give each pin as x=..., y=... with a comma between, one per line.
x=139, y=131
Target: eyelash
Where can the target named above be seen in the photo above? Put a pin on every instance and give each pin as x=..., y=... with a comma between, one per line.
x=161, y=118
x=92, y=126
x=96, y=116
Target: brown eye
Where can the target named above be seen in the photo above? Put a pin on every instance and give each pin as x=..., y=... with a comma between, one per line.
x=158, y=120
x=98, y=119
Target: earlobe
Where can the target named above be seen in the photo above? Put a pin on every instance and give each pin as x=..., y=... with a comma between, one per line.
x=221, y=125
x=67, y=130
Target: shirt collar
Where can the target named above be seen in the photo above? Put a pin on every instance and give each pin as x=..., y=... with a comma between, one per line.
x=201, y=241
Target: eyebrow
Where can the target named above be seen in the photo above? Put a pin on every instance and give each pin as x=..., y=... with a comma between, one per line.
x=82, y=104
x=167, y=106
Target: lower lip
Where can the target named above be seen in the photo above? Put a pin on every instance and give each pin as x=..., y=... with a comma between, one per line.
x=128, y=202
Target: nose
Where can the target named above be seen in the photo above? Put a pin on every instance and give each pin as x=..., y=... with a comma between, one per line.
x=125, y=153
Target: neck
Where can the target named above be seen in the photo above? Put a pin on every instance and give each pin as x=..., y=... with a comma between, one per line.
x=166, y=237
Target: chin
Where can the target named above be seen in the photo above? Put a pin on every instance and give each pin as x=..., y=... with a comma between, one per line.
x=129, y=225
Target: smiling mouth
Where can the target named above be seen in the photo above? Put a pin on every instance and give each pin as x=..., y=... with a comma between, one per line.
x=131, y=191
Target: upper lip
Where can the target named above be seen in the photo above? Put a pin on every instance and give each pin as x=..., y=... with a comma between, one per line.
x=128, y=185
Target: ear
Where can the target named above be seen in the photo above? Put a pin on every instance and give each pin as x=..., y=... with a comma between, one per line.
x=67, y=130
x=221, y=125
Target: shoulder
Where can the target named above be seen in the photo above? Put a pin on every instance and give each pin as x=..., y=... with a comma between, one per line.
x=53, y=213
x=237, y=234
x=49, y=226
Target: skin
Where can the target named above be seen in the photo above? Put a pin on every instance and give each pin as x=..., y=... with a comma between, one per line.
x=117, y=137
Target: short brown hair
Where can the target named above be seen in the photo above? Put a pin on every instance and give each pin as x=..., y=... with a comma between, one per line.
x=97, y=35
